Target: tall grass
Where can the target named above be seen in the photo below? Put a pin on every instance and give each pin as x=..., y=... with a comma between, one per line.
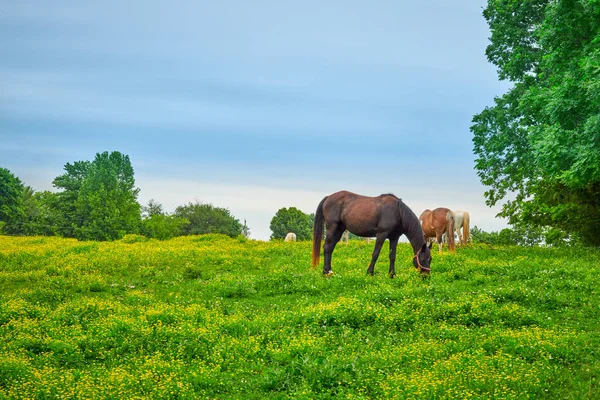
x=214, y=317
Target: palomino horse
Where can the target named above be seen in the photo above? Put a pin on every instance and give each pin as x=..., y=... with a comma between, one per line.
x=462, y=220
x=385, y=217
x=290, y=237
x=437, y=222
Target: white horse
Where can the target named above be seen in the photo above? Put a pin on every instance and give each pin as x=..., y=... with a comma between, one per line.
x=462, y=220
x=290, y=237
x=345, y=237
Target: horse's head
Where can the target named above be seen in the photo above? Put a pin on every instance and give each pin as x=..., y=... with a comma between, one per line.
x=422, y=260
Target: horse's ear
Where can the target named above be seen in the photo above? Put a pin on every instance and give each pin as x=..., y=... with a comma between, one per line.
x=424, y=247
x=430, y=244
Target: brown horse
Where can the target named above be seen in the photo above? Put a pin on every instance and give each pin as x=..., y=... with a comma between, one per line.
x=385, y=217
x=437, y=222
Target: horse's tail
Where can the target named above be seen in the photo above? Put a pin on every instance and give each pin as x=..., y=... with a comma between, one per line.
x=318, y=233
x=450, y=230
x=466, y=227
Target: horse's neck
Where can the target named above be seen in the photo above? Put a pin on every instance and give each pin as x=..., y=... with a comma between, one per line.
x=416, y=239
x=412, y=227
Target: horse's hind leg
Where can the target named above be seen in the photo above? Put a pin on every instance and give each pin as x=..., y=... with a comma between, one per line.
x=378, y=243
x=332, y=236
x=460, y=238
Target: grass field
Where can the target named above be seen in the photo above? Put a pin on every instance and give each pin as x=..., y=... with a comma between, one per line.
x=214, y=317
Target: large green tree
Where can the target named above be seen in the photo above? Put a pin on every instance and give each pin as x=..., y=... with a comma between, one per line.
x=66, y=199
x=292, y=220
x=206, y=218
x=538, y=147
x=12, y=210
x=98, y=200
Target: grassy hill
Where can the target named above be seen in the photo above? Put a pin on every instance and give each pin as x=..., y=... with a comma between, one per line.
x=214, y=317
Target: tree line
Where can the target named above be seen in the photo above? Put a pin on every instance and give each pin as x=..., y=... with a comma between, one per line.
x=98, y=200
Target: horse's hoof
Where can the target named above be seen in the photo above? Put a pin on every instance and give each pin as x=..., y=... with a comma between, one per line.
x=392, y=276
x=328, y=274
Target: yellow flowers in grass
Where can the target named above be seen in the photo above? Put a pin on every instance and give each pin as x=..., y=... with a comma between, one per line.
x=215, y=317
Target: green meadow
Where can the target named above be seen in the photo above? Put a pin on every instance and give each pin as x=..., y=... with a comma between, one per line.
x=214, y=317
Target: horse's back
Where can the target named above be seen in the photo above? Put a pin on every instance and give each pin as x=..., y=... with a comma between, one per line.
x=343, y=196
x=459, y=216
x=366, y=206
x=344, y=200
x=441, y=214
x=360, y=214
x=462, y=214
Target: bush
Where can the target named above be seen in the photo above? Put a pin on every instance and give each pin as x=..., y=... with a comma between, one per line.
x=518, y=235
x=163, y=227
x=206, y=218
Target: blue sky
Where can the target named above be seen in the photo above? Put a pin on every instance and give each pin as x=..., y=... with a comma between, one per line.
x=252, y=106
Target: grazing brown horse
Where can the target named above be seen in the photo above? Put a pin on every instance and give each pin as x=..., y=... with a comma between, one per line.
x=437, y=222
x=385, y=217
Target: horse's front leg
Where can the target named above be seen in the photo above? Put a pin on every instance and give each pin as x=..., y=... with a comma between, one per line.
x=440, y=241
x=393, y=244
x=378, y=243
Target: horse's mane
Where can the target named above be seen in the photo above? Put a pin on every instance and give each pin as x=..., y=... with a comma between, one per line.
x=412, y=225
x=410, y=222
x=391, y=194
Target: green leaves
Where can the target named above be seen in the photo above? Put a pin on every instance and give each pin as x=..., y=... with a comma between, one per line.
x=543, y=136
x=157, y=224
x=513, y=42
x=206, y=218
x=99, y=198
x=11, y=202
x=107, y=202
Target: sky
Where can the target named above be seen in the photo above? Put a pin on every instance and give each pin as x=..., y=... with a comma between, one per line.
x=252, y=106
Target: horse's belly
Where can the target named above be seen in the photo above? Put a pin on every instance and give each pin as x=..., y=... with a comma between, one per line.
x=364, y=230
x=364, y=233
